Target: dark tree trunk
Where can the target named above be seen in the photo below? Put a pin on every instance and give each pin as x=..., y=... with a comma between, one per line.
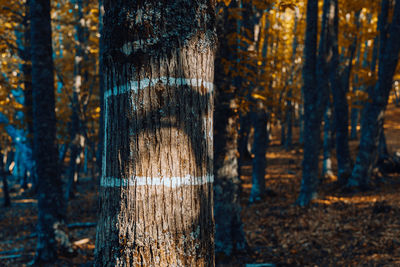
x=24, y=52
x=101, y=90
x=229, y=235
x=354, y=118
x=244, y=134
x=3, y=173
x=283, y=128
x=312, y=109
x=157, y=173
x=289, y=120
x=301, y=120
x=259, y=119
x=49, y=185
x=27, y=70
x=73, y=169
x=383, y=152
x=372, y=120
x=290, y=114
x=356, y=114
x=327, y=171
x=75, y=123
x=247, y=24
x=340, y=86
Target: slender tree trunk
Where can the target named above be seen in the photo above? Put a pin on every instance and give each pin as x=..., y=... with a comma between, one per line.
x=383, y=152
x=373, y=71
x=301, y=120
x=259, y=118
x=290, y=114
x=289, y=120
x=354, y=118
x=73, y=169
x=340, y=84
x=75, y=124
x=244, y=133
x=355, y=111
x=101, y=89
x=283, y=123
x=3, y=173
x=312, y=108
x=229, y=234
x=27, y=70
x=156, y=187
x=248, y=23
x=327, y=171
x=85, y=157
x=372, y=120
x=49, y=185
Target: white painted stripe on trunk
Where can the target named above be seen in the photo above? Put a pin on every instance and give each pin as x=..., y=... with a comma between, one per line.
x=166, y=181
x=171, y=81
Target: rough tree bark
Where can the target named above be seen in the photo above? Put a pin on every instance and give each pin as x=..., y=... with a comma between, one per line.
x=372, y=119
x=49, y=185
x=157, y=172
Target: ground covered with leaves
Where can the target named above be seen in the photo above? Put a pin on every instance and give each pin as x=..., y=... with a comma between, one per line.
x=338, y=229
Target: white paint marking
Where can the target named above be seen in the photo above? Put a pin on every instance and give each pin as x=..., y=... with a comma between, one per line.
x=129, y=47
x=136, y=85
x=166, y=181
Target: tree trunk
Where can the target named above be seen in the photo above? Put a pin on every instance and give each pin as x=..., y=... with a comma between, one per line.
x=372, y=120
x=75, y=124
x=156, y=187
x=3, y=173
x=259, y=118
x=290, y=114
x=289, y=120
x=73, y=169
x=101, y=89
x=356, y=114
x=340, y=86
x=327, y=171
x=229, y=235
x=49, y=185
x=27, y=70
x=244, y=134
x=382, y=147
x=354, y=118
x=312, y=109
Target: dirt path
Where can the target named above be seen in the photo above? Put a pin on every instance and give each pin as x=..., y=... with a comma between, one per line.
x=337, y=230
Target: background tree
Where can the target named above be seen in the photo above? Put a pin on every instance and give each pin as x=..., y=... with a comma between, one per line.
x=49, y=185
x=312, y=116
x=372, y=118
x=229, y=235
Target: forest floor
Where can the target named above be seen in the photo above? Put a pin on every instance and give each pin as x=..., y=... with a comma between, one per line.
x=338, y=229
